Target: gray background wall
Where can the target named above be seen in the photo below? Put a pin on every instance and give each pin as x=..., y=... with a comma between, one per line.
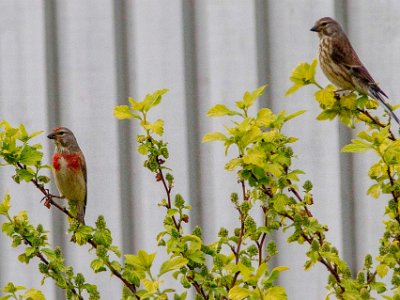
x=69, y=62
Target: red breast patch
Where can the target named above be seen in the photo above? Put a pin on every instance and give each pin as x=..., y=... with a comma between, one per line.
x=73, y=161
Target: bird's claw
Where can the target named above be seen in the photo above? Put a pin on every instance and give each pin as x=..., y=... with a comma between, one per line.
x=47, y=201
x=341, y=93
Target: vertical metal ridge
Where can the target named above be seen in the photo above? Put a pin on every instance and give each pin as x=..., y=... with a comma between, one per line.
x=263, y=54
x=346, y=173
x=192, y=108
x=124, y=129
x=53, y=106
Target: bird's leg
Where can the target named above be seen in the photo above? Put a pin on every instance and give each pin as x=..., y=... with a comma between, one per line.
x=49, y=197
x=342, y=92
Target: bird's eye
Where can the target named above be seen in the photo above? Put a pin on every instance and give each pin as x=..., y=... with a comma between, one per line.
x=61, y=133
x=324, y=24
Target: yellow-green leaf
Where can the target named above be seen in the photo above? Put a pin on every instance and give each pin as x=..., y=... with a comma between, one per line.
x=328, y=114
x=349, y=101
x=157, y=127
x=150, y=286
x=254, y=156
x=374, y=190
x=33, y=294
x=233, y=164
x=326, y=96
x=214, y=136
x=294, y=115
x=250, y=97
x=5, y=205
x=143, y=149
x=281, y=268
x=302, y=75
x=220, y=110
x=382, y=270
x=123, y=112
x=357, y=146
x=265, y=117
x=172, y=264
x=275, y=293
x=250, y=136
x=238, y=293
x=136, y=105
x=152, y=100
x=141, y=261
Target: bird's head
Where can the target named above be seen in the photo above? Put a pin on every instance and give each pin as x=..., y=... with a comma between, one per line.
x=64, y=139
x=326, y=27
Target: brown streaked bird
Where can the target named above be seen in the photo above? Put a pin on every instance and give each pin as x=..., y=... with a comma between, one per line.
x=341, y=65
x=69, y=169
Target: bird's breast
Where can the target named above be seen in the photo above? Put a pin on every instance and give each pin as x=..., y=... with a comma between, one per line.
x=69, y=176
x=68, y=161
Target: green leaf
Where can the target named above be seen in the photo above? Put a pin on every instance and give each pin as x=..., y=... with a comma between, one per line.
x=30, y=156
x=238, y=293
x=141, y=261
x=220, y=110
x=122, y=112
x=172, y=264
x=214, y=136
x=97, y=265
x=25, y=174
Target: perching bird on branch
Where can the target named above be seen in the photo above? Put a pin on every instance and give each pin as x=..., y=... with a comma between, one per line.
x=341, y=65
x=69, y=169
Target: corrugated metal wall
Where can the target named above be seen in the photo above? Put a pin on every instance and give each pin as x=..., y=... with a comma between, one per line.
x=69, y=62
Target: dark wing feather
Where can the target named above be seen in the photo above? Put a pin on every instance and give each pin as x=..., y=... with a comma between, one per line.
x=344, y=54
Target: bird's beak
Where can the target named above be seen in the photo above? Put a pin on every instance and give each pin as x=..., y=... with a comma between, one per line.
x=314, y=28
x=51, y=136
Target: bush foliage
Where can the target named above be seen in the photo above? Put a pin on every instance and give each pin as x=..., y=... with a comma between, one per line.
x=236, y=265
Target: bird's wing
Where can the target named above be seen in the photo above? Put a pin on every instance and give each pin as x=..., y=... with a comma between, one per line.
x=344, y=54
x=84, y=171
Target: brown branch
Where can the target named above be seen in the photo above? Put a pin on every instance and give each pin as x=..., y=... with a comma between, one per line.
x=331, y=269
x=46, y=262
x=376, y=122
x=168, y=191
x=49, y=201
x=160, y=177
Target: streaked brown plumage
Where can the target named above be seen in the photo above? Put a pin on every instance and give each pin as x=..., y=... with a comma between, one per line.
x=69, y=168
x=341, y=65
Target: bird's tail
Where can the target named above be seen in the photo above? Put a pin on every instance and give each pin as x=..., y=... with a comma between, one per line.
x=81, y=209
x=377, y=93
x=78, y=208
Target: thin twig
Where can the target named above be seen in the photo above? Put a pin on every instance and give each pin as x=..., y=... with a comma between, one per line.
x=49, y=198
